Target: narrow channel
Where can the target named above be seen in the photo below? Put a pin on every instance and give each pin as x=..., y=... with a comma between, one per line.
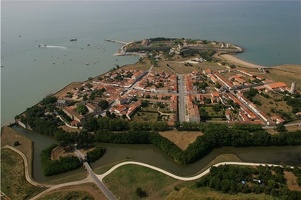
x=288, y=155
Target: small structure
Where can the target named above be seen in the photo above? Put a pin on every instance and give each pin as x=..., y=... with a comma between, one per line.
x=293, y=87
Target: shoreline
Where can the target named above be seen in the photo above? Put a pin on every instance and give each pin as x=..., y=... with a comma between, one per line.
x=233, y=59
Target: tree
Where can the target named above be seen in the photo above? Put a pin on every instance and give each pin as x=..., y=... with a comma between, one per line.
x=103, y=104
x=141, y=193
x=217, y=85
x=81, y=109
x=48, y=100
x=16, y=143
x=280, y=128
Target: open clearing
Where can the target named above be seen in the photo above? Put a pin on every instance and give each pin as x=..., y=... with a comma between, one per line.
x=181, y=138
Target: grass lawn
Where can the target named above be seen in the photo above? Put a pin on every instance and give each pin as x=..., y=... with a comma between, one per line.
x=13, y=182
x=145, y=116
x=124, y=181
x=214, y=114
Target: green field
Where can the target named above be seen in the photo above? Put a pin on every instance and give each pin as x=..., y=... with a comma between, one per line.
x=124, y=181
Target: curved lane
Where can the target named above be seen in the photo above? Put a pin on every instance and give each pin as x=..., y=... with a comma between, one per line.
x=102, y=176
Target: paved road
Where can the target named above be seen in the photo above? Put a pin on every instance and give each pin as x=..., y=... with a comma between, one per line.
x=181, y=103
x=96, y=180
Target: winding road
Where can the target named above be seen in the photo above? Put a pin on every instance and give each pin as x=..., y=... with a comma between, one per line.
x=98, y=179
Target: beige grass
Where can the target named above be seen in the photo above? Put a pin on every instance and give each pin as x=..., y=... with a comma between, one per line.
x=84, y=191
x=181, y=138
x=291, y=181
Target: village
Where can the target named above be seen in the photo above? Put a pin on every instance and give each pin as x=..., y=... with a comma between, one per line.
x=178, y=87
x=150, y=95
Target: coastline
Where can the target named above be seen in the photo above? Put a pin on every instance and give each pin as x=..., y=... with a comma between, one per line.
x=233, y=59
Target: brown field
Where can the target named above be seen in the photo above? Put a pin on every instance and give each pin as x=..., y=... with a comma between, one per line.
x=181, y=138
x=286, y=74
x=9, y=136
x=206, y=193
x=180, y=68
x=85, y=191
x=13, y=182
x=291, y=181
x=68, y=129
x=269, y=103
x=144, y=65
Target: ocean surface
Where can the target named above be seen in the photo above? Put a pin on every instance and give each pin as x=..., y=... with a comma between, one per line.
x=269, y=30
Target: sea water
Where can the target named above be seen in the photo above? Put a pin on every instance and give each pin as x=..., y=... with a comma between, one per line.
x=270, y=32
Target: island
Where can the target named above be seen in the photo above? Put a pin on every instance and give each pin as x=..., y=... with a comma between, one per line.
x=184, y=96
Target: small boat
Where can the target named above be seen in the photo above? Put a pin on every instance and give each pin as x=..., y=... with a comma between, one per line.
x=73, y=40
x=87, y=63
x=41, y=45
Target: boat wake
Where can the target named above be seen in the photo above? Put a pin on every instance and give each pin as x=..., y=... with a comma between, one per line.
x=56, y=47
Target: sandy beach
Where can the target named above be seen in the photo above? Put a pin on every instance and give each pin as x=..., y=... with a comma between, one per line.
x=237, y=61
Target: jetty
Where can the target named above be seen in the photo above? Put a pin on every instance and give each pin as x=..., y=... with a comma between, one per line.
x=117, y=41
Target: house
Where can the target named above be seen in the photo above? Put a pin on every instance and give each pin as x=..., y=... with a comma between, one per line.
x=215, y=97
x=70, y=111
x=132, y=109
x=276, y=86
x=277, y=119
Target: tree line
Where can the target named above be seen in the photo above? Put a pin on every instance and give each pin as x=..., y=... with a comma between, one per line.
x=237, y=179
x=95, y=154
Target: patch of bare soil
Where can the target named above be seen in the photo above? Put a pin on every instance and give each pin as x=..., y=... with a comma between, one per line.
x=181, y=138
x=291, y=181
x=68, y=129
x=67, y=88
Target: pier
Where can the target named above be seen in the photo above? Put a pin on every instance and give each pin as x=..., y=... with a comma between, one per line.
x=117, y=41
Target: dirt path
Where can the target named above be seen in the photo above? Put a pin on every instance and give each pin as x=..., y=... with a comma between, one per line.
x=292, y=181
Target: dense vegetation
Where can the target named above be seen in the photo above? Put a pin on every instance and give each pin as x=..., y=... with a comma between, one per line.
x=53, y=167
x=95, y=154
x=215, y=135
x=234, y=179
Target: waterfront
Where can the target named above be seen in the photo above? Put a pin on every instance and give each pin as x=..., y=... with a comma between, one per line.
x=289, y=155
x=29, y=72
